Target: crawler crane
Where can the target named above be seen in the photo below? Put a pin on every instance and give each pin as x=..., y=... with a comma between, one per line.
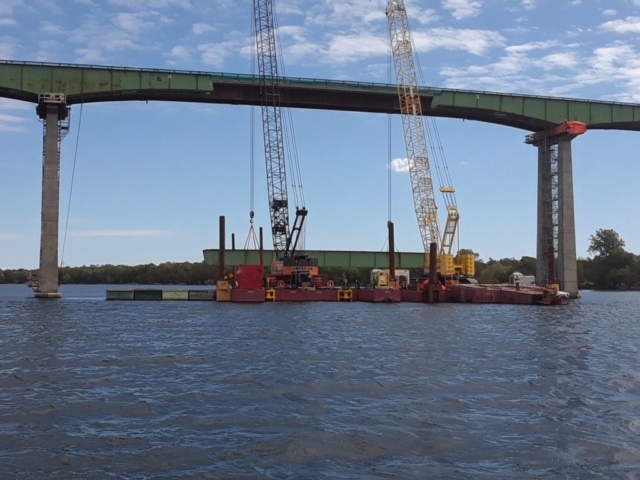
x=415, y=137
x=285, y=240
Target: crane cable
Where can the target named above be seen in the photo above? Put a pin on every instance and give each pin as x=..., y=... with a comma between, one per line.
x=389, y=131
x=73, y=175
x=251, y=236
x=435, y=145
x=288, y=130
x=291, y=146
x=252, y=129
x=389, y=149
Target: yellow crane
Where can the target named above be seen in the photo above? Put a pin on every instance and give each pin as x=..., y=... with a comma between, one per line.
x=401, y=41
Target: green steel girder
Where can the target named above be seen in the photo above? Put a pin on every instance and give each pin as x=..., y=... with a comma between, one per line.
x=87, y=84
x=326, y=258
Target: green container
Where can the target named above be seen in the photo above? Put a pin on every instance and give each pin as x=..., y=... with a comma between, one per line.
x=202, y=295
x=119, y=294
x=147, y=294
x=175, y=295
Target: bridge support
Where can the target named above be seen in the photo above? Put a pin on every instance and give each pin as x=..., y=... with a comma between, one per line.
x=556, y=239
x=567, y=258
x=53, y=111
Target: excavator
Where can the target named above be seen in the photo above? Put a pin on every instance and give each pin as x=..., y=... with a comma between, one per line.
x=451, y=269
x=289, y=269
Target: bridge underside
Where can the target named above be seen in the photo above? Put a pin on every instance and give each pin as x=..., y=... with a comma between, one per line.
x=89, y=84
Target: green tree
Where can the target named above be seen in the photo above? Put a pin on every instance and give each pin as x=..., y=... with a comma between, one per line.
x=611, y=271
x=605, y=242
x=495, y=273
x=1, y=276
x=527, y=265
x=581, y=275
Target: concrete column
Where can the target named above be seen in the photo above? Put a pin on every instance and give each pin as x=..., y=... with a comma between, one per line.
x=50, y=205
x=567, y=261
x=545, y=235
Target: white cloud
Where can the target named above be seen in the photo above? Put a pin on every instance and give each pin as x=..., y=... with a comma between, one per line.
x=555, y=68
x=215, y=54
x=6, y=50
x=145, y=4
x=531, y=46
x=7, y=6
x=48, y=50
x=200, y=28
x=121, y=233
x=346, y=48
x=476, y=42
x=513, y=71
x=559, y=60
x=399, y=165
x=7, y=22
x=422, y=16
x=618, y=65
x=609, y=13
x=628, y=25
x=289, y=7
x=89, y=55
x=136, y=22
x=8, y=104
x=11, y=123
x=50, y=27
x=97, y=37
x=50, y=5
x=461, y=9
x=529, y=4
x=180, y=52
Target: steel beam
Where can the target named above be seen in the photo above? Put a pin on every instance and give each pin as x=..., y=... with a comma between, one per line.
x=87, y=84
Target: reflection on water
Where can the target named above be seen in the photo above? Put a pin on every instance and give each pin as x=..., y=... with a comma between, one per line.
x=96, y=389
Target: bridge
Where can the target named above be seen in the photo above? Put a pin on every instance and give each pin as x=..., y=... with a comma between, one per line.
x=56, y=87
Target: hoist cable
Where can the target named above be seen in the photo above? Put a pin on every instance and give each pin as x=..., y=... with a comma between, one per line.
x=252, y=129
x=73, y=176
x=288, y=129
x=435, y=144
x=389, y=136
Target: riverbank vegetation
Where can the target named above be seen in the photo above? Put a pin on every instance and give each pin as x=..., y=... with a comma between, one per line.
x=610, y=267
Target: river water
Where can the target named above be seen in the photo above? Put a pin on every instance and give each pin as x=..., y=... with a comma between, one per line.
x=94, y=389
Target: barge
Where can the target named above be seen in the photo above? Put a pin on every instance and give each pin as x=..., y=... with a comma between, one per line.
x=224, y=293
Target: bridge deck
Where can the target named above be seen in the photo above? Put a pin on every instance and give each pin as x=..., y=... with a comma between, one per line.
x=88, y=83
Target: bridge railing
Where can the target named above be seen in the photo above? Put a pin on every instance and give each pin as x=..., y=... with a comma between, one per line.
x=299, y=81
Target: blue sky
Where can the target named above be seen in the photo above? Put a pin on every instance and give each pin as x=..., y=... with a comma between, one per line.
x=152, y=179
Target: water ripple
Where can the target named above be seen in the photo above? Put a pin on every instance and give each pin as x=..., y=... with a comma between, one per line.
x=94, y=389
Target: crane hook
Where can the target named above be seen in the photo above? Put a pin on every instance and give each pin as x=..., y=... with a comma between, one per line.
x=251, y=215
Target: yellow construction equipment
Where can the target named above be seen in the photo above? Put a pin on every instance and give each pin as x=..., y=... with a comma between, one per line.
x=415, y=136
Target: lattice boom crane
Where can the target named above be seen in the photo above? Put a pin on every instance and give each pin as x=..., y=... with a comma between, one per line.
x=284, y=240
x=401, y=41
x=414, y=134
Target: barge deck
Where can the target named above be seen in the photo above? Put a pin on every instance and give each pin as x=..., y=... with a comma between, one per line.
x=474, y=293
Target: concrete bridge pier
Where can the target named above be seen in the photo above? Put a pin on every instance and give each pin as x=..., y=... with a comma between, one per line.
x=567, y=257
x=556, y=239
x=52, y=109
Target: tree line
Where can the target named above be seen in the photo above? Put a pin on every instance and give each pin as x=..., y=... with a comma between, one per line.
x=168, y=273
x=610, y=267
